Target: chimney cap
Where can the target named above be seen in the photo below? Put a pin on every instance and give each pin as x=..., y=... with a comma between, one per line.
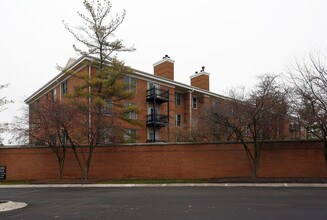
x=166, y=58
x=202, y=72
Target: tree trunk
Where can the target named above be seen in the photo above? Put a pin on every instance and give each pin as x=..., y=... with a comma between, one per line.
x=256, y=159
x=250, y=159
x=61, y=162
x=79, y=162
x=255, y=167
x=88, y=163
x=254, y=172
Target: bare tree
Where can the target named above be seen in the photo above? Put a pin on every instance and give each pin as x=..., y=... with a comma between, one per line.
x=97, y=31
x=19, y=128
x=102, y=98
x=3, y=102
x=251, y=118
x=47, y=123
x=309, y=95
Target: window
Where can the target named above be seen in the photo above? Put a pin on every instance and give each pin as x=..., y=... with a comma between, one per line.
x=129, y=136
x=130, y=83
x=54, y=94
x=130, y=113
x=178, y=98
x=178, y=120
x=154, y=111
x=194, y=102
x=108, y=107
x=63, y=138
x=153, y=138
x=64, y=87
x=104, y=136
x=153, y=89
x=151, y=85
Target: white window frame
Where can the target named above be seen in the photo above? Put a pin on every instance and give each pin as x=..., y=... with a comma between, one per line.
x=128, y=80
x=194, y=102
x=129, y=136
x=178, y=120
x=178, y=96
x=131, y=114
x=54, y=94
x=108, y=108
x=64, y=87
x=151, y=132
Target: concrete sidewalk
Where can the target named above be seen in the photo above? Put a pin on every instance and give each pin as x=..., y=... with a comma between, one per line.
x=316, y=185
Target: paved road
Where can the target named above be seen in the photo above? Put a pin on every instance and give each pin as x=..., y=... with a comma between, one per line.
x=168, y=203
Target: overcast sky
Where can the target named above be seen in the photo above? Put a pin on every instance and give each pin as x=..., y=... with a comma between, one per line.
x=236, y=40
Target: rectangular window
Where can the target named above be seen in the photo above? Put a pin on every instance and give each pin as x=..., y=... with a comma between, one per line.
x=63, y=138
x=194, y=102
x=178, y=119
x=153, y=138
x=130, y=83
x=154, y=111
x=54, y=94
x=153, y=89
x=129, y=136
x=129, y=108
x=151, y=85
x=178, y=98
x=108, y=107
x=104, y=136
x=64, y=87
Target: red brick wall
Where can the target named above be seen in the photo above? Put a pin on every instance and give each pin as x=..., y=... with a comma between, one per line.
x=201, y=81
x=279, y=159
x=165, y=69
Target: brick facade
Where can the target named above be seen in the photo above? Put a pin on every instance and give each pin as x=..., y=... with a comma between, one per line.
x=181, y=117
x=170, y=161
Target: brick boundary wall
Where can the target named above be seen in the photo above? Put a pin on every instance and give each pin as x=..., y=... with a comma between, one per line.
x=280, y=159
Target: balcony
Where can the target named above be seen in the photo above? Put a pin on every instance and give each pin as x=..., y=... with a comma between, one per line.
x=157, y=95
x=157, y=120
x=154, y=141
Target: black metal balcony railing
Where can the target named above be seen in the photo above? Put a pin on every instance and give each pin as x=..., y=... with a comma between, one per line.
x=152, y=140
x=158, y=94
x=157, y=120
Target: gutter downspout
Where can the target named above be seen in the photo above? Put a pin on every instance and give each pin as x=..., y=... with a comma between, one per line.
x=90, y=102
x=191, y=111
x=57, y=80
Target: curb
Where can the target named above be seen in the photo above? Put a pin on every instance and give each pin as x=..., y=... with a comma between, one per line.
x=271, y=185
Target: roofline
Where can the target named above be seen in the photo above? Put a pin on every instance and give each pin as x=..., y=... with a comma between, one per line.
x=175, y=83
x=137, y=72
x=165, y=59
x=199, y=74
x=63, y=72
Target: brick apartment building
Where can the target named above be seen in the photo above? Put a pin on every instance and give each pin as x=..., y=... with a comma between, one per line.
x=167, y=109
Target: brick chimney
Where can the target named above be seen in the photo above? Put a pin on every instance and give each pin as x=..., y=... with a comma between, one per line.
x=200, y=79
x=164, y=68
